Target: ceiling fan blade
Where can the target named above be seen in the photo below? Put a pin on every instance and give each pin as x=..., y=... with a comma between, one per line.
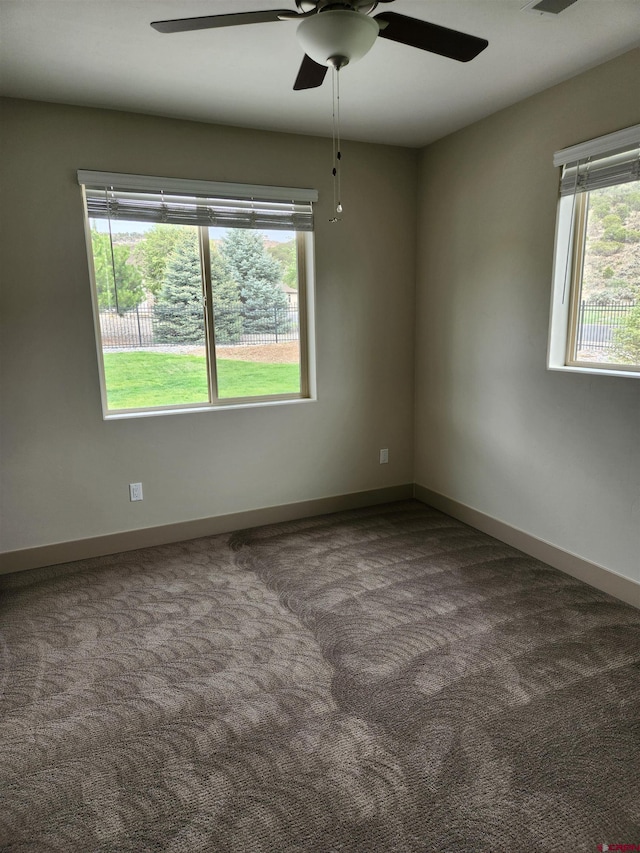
x=431, y=37
x=182, y=25
x=311, y=74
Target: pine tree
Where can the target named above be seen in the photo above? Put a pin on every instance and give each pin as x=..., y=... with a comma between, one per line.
x=180, y=307
x=226, y=302
x=257, y=276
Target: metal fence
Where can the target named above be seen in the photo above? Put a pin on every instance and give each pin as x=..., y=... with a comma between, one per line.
x=143, y=328
x=597, y=323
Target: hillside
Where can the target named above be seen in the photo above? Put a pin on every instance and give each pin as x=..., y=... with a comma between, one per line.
x=612, y=256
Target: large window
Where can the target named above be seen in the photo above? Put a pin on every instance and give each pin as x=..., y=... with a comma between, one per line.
x=201, y=291
x=595, y=322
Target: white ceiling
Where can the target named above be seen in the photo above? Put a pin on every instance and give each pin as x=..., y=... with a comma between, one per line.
x=104, y=53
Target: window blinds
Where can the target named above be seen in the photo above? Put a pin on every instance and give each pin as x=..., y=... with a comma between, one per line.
x=143, y=198
x=604, y=162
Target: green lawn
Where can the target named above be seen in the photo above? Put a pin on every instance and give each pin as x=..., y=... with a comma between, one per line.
x=142, y=379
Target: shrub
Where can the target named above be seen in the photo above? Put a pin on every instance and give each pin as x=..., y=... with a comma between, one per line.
x=627, y=338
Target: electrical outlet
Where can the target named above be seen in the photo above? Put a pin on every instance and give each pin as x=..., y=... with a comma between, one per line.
x=384, y=456
x=135, y=491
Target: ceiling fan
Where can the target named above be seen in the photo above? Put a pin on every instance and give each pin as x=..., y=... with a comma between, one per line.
x=332, y=34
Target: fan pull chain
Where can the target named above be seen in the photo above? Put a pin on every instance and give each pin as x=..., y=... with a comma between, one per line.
x=337, y=154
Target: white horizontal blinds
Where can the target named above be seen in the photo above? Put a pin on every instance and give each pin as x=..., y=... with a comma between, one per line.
x=620, y=168
x=143, y=198
x=110, y=203
x=604, y=162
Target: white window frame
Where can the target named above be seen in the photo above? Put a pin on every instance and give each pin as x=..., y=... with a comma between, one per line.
x=235, y=202
x=569, y=249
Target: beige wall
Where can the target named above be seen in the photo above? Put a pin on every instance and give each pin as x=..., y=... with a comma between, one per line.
x=556, y=455
x=65, y=470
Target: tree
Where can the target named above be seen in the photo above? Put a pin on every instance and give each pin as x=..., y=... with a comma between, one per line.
x=226, y=301
x=122, y=291
x=179, y=306
x=287, y=257
x=152, y=253
x=257, y=276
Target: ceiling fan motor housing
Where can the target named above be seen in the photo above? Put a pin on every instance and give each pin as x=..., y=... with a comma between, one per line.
x=337, y=37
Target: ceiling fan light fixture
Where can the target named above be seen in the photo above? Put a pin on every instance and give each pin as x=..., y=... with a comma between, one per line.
x=337, y=37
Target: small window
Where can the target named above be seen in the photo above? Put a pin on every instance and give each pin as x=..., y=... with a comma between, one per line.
x=595, y=320
x=201, y=292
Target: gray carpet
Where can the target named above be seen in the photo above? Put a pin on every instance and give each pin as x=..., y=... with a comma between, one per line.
x=373, y=681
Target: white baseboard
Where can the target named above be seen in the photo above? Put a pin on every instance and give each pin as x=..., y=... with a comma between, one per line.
x=603, y=579
x=621, y=587
x=129, y=540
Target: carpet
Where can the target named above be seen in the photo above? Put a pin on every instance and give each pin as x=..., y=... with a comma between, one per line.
x=383, y=680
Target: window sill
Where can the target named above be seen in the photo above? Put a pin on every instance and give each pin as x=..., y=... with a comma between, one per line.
x=595, y=371
x=188, y=410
